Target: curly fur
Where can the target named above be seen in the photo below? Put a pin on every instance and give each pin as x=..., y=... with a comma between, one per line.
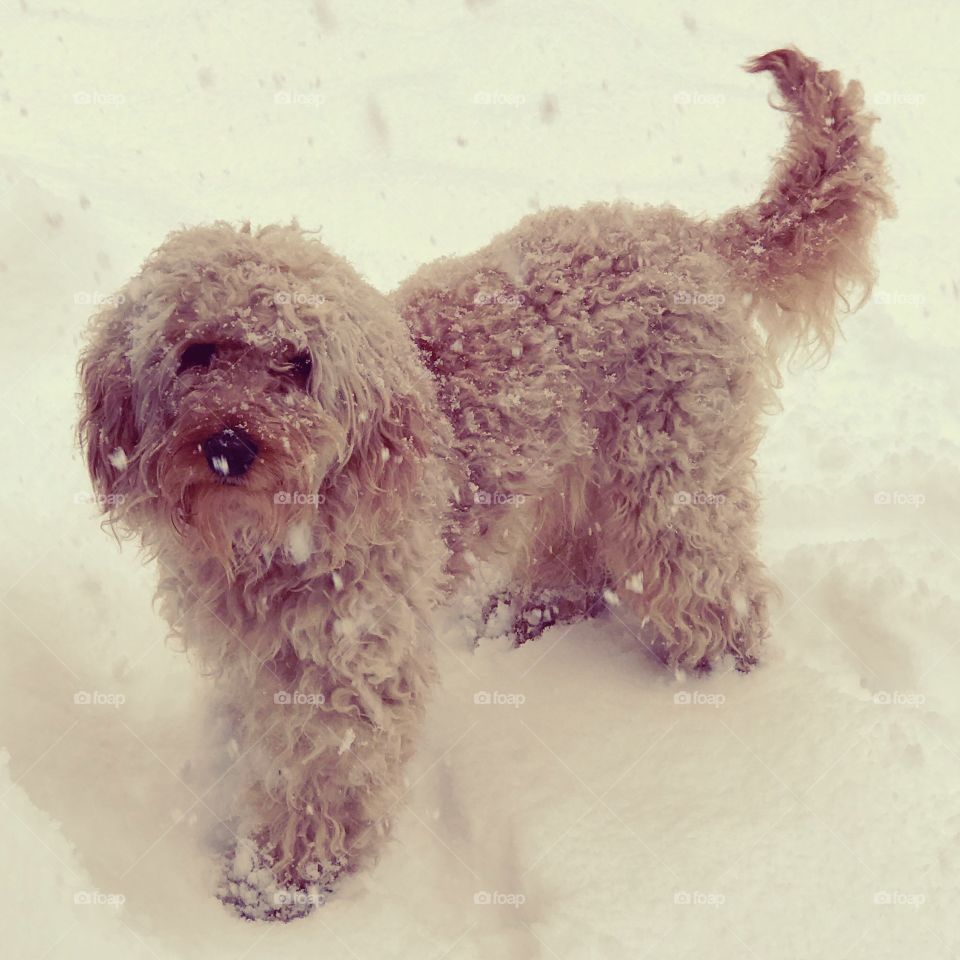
x=604, y=371
x=582, y=397
x=804, y=246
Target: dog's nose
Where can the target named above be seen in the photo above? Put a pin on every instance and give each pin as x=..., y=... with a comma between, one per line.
x=230, y=452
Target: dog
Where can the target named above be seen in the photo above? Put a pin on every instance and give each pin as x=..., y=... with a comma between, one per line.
x=315, y=466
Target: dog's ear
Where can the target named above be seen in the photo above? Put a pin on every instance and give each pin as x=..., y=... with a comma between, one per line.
x=388, y=468
x=389, y=460
x=107, y=427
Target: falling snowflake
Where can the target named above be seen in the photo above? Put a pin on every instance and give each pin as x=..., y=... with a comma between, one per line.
x=635, y=583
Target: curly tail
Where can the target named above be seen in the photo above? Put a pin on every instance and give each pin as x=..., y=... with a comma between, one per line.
x=804, y=245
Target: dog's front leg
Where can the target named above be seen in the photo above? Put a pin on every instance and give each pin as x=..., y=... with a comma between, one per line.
x=324, y=745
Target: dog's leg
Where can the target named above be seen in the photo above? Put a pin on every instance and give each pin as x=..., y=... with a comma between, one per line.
x=676, y=506
x=686, y=562
x=325, y=744
x=557, y=578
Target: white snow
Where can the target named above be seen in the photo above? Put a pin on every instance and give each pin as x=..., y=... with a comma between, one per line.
x=594, y=806
x=300, y=542
x=118, y=459
x=347, y=741
x=634, y=583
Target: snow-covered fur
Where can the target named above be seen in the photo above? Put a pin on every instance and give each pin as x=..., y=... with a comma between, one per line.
x=581, y=397
x=604, y=371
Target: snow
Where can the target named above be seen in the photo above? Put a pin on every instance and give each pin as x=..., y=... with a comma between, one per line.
x=300, y=542
x=589, y=804
x=634, y=583
x=118, y=459
x=347, y=741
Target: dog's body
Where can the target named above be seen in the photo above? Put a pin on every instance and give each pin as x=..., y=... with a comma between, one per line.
x=604, y=372
x=604, y=381
x=584, y=402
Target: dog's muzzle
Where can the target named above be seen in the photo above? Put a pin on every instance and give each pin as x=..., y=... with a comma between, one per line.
x=230, y=453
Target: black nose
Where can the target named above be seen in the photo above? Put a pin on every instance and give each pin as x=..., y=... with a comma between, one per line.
x=230, y=452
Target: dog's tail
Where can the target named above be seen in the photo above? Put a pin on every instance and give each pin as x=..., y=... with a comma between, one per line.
x=804, y=246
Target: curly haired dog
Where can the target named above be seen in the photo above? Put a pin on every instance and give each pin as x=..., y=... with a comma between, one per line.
x=312, y=463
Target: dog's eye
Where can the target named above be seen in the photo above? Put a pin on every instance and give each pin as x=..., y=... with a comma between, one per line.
x=302, y=366
x=196, y=355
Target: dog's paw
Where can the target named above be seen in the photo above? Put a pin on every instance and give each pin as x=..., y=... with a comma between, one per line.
x=533, y=619
x=251, y=887
x=551, y=609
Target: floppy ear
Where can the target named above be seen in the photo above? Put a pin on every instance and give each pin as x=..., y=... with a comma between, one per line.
x=390, y=471
x=107, y=428
x=391, y=463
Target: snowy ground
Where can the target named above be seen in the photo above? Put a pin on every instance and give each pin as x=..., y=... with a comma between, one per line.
x=609, y=809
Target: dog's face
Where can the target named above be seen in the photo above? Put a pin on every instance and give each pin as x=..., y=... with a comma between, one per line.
x=232, y=382
x=242, y=437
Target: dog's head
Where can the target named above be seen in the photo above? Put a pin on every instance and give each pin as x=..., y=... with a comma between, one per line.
x=243, y=386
